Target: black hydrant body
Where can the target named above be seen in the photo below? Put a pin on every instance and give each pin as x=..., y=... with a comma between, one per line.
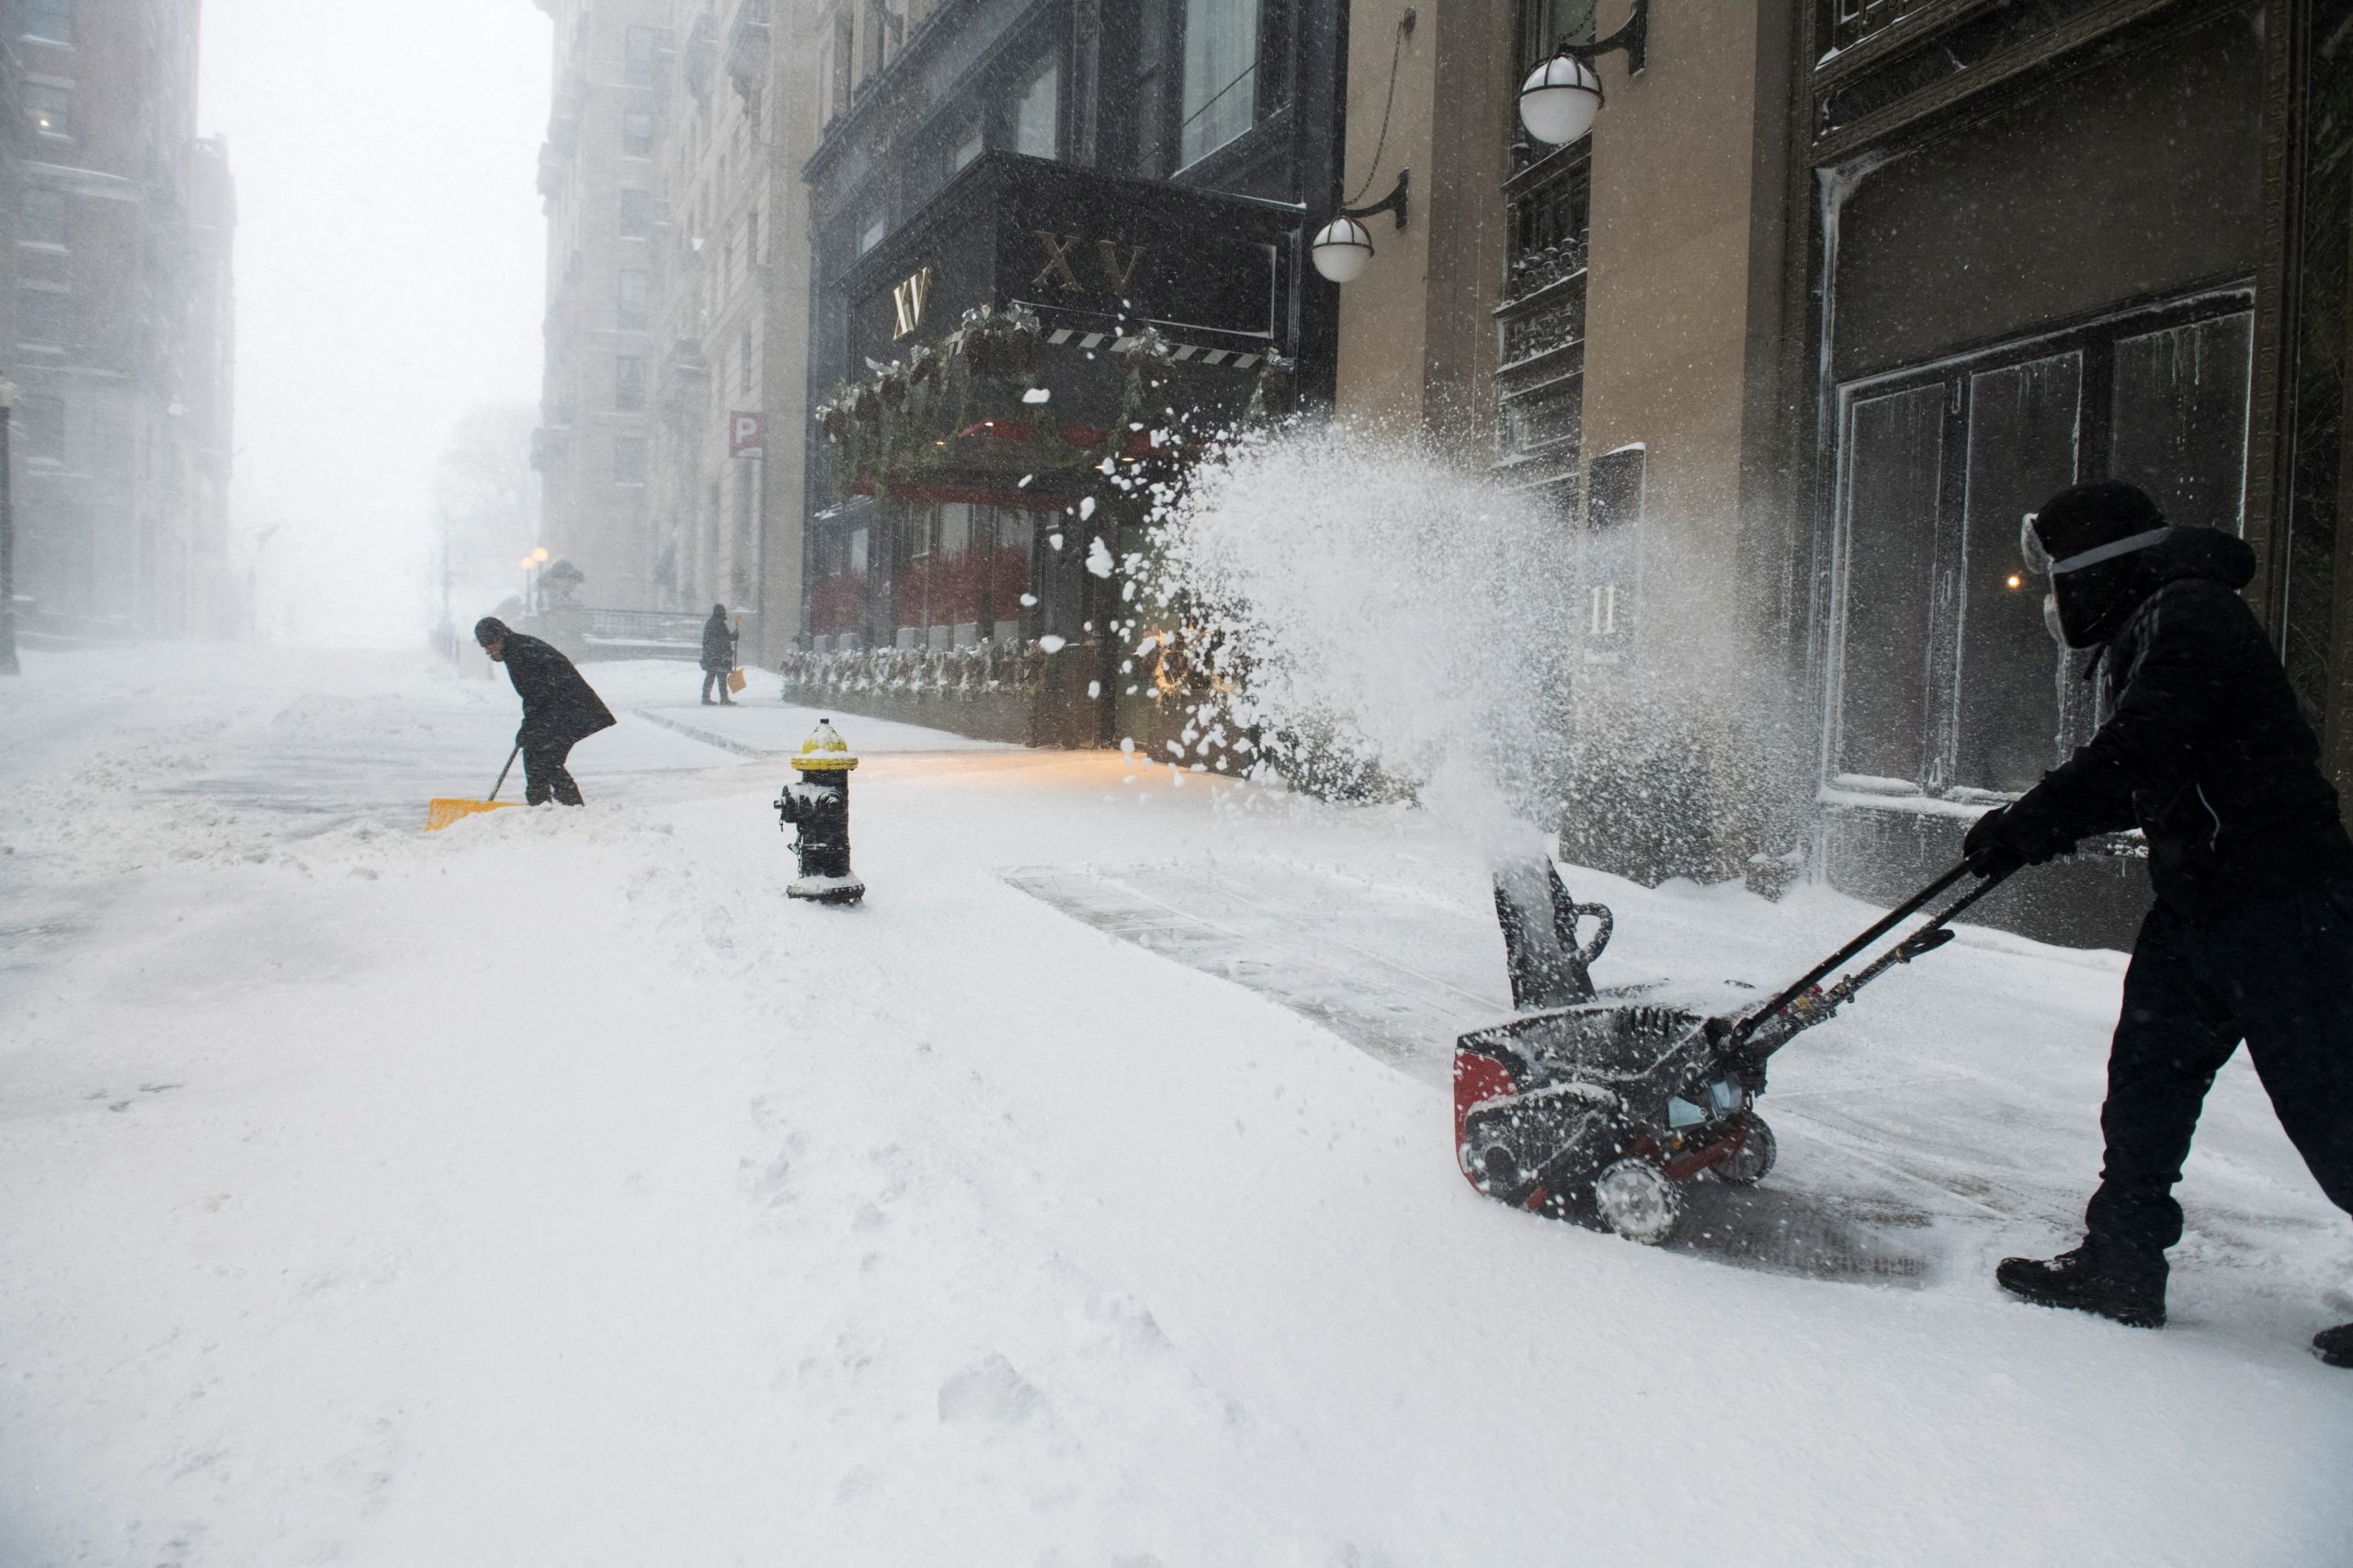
x=819, y=806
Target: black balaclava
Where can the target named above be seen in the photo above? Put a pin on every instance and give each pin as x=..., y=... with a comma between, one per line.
x=2094, y=541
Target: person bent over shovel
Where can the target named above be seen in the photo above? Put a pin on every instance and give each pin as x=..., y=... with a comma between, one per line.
x=560, y=709
x=2251, y=936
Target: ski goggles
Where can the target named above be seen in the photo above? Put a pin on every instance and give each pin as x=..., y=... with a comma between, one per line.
x=2038, y=559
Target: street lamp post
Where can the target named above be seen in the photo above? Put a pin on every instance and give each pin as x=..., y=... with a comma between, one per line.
x=7, y=538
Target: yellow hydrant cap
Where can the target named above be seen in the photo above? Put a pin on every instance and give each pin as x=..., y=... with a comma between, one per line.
x=825, y=751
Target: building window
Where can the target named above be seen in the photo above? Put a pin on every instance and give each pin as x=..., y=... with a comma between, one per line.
x=967, y=148
x=41, y=220
x=635, y=309
x=1540, y=334
x=640, y=48
x=629, y=383
x=886, y=31
x=49, y=105
x=50, y=21
x=871, y=235
x=637, y=134
x=1221, y=56
x=1037, y=113
x=834, y=64
x=41, y=318
x=1546, y=25
x=40, y=428
x=640, y=213
x=1944, y=678
x=628, y=459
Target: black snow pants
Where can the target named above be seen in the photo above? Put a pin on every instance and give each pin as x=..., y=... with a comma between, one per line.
x=544, y=775
x=2278, y=974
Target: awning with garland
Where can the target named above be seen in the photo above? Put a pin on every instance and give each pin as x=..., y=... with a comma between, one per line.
x=979, y=417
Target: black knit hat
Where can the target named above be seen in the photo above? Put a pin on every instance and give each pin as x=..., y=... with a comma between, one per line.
x=489, y=630
x=2086, y=517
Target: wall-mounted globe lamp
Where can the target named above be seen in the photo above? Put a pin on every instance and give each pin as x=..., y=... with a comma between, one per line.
x=1561, y=99
x=1343, y=247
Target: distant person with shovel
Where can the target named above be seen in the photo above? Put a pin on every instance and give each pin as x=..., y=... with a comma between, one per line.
x=2251, y=938
x=718, y=655
x=560, y=711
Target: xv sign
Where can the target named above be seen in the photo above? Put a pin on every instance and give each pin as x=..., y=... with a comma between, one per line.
x=1058, y=270
x=907, y=301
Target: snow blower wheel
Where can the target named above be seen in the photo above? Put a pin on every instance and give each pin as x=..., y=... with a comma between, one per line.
x=1638, y=1200
x=1756, y=1155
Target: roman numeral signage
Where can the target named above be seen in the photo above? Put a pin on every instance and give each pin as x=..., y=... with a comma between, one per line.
x=907, y=301
x=1059, y=270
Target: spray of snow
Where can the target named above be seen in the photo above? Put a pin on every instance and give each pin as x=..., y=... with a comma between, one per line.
x=1387, y=612
x=1394, y=623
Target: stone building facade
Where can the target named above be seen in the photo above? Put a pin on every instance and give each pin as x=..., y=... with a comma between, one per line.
x=1053, y=242
x=734, y=302
x=601, y=188
x=120, y=333
x=1834, y=291
x=677, y=307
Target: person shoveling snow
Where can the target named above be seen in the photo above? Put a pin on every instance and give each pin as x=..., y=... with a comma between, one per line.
x=559, y=709
x=2251, y=937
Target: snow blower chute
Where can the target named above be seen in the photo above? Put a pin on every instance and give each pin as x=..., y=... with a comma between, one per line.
x=1585, y=1106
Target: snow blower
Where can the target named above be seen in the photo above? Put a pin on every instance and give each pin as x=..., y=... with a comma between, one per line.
x=1592, y=1107
x=442, y=811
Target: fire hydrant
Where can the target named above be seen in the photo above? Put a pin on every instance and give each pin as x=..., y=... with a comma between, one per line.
x=819, y=806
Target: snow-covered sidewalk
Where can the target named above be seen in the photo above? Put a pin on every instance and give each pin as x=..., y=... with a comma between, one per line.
x=551, y=1190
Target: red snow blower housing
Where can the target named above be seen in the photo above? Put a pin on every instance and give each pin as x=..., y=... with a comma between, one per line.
x=1584, y=1106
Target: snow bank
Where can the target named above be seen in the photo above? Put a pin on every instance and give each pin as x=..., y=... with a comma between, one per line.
x=550, y=1190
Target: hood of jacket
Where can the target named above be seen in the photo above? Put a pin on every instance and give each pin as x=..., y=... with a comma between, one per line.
x=2095, y=603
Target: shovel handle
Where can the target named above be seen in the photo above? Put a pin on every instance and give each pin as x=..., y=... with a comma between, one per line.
x=511, y=756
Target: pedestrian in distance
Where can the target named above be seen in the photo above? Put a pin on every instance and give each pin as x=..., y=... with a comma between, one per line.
x=2251, y=934
x=559, y=709
x=718, y=655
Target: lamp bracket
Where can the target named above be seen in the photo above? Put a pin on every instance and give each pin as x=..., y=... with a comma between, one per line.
x=1634, y=38
x=1393, y=202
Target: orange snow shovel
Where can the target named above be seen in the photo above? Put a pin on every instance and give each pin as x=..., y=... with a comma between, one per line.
x=440, y=813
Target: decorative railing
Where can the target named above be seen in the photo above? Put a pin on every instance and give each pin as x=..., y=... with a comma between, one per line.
x=969, y=672
x=1544, y=265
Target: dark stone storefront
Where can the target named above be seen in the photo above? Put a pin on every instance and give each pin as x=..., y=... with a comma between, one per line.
x=1009, y=351
x=2049, y=243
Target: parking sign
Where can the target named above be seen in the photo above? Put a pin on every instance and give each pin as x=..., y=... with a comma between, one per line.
x=747, y=435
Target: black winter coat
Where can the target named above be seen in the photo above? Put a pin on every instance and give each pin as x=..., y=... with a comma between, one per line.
x=2204, y=748
x=559, y=707
x=717, y=645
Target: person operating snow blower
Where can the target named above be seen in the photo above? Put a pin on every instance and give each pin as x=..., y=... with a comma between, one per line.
x=2251, y=936
x=559, y=709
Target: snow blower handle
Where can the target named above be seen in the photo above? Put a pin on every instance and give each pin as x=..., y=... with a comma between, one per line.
x=1927, y=938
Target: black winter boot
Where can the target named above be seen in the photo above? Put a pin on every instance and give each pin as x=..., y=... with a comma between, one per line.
x=2122, y=1283
x=2335, y=1345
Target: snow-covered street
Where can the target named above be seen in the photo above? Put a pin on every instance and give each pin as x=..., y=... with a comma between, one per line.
x=551, y=1190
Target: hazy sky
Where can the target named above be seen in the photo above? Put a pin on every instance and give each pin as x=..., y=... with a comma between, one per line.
x=389, y=275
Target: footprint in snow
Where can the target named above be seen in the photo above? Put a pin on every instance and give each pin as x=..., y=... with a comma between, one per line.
x=989, y=1392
